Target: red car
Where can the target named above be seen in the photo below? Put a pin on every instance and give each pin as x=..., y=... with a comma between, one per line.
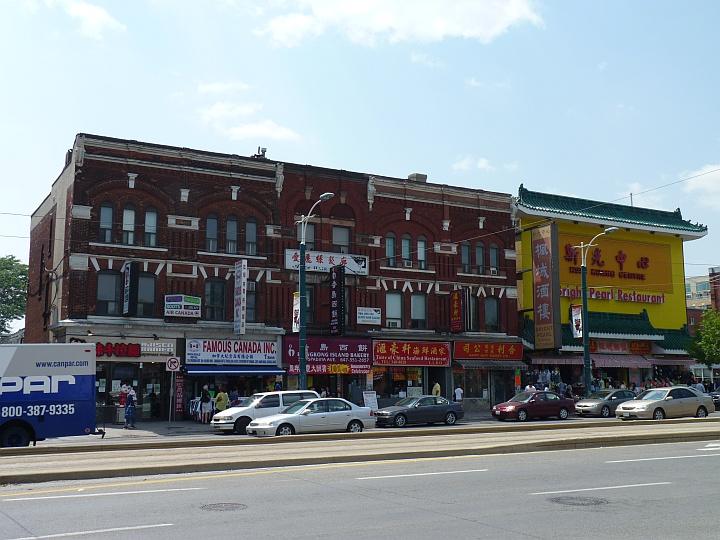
x=534, y=405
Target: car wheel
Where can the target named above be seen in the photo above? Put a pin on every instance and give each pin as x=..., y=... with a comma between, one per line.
x=400, y=420
x=14, y=436
x=240, y=425
x=701, y=412
x=658, y=414
x=563, y=414
x=605, y=412
x=285, y=429
x=522, y=415
x=355, y=427
x=450, y=418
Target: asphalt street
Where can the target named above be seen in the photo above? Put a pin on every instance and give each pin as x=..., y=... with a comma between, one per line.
x=661, y=491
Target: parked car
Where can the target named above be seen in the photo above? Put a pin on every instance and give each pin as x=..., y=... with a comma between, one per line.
x=526, y=405
x=671, y=402
x=716, y=399
x=420, y=410
x=314, y=415
x=236, y=419
x=603, y=403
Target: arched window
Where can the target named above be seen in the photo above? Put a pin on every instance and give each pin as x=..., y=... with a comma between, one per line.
x=211, y=233
x=480, y=257
x=492, y=314
x=418, y=311
x=151, y=216
x=109, y=293
x=106, y=223
x=405, y=244
x=146, y=295
x=465, y=257
x=128, y=225
x=422, y=253
x=231, y=231
x=390, y=249
x=215, y=300
x=494, y=258
x=251, y=236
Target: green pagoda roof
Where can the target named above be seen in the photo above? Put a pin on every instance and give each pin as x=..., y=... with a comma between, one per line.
x=611, y=213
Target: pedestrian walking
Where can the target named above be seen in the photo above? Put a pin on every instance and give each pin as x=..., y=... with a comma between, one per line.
x=436, y=391
x=458, y=393
x=205, y=405
x=130, y=399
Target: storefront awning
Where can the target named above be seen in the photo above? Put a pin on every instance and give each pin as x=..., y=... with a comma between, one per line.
x=680, y=361
x=557, y=360
x=492, y=364
x=200, y=369
x=620, y=361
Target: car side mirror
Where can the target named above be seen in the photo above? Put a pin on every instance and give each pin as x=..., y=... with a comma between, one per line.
x=533, y=400
x=306, y=412
x=668, y=398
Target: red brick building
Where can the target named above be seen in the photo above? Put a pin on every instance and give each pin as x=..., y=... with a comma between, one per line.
x=135, y=249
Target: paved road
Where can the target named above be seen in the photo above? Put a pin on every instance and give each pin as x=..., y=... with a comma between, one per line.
x=666, y=491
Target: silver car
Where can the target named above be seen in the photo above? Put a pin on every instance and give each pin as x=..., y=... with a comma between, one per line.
x=671, y=402
x=314, y=415
x=603, y=403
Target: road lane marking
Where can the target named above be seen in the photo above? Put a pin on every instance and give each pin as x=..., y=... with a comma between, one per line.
x=661, y=458
x=419, y=474
x=84, y=495
x=601, y=488
x=96, y=531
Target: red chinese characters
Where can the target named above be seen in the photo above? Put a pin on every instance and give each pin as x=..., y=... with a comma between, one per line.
x=467, y=350
x=411, y=353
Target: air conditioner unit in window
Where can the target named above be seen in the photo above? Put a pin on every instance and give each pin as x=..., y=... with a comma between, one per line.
x=393, y=324
x=407, y=264
x=493, y=271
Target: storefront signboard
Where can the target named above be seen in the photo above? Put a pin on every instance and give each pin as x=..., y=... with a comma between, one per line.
x=121, y=349
x=546, y=301
x=369, y=315
x=456, y=311
x=576, y=321
x=370, y=399
x=323, y=261
x=411, y=353
x=337, y=300
x=182, y=305
x=255, y=352
x=329, y=356
x=240, y=297
x=468, y=350
x=603, y=346
x=179, y=393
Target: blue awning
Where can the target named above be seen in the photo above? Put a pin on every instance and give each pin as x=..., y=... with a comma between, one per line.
x=212, y=369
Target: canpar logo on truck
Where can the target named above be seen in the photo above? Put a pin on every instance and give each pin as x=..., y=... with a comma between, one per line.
x=44, y=384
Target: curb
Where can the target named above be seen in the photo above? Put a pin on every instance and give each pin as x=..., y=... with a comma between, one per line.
x=378, y=433
x=500, y=448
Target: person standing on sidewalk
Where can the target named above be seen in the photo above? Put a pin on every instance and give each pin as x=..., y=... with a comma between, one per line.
x=459, y=393
x=130, y=408
x=206, y=406
x=221, y=400
x=436, y=391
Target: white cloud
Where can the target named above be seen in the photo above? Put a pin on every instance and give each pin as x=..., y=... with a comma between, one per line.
x=474, y=82
x=94, y=20
x=425, y=60
x=463, y=164
x=222, y=87
x=469, y=162
x=222, y=111
x=705, y=188
x=484, y=165
x=262, y=130
x=395, y=21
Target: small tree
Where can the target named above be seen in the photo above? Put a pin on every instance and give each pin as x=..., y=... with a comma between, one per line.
x=708, y=338
x=13, y=291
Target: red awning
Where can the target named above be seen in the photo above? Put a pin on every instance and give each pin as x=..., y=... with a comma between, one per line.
x=680, y=361
x=557, y=360
x=620, y=361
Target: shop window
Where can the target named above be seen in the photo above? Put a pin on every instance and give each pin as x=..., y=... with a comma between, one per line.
x=250, y=313
x=150, y=238
x=494, y=259
x=390, y=249
x=393, y=310
x=341, y=239
x=309, y=235
x=215, y=300
x=231, y=230
x=418, y=309
x=492, y=315
x=109, y=293
x=106, y=223
x=405, y=243
x=465, y=257
x=422, y=253
x=128, y=225
x=146, y=295
x=480, y=257
x=211, y=233
x=251, y=237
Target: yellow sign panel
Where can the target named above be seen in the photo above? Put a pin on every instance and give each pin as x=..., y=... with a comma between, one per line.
x=625, y=265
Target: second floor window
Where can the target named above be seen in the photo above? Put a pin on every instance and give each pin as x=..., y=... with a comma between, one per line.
x=106, y=223
x=150, y=239
x=128, y=225
x=341, y=239
x=405, y=249
x=146, y=295
x=421, y=253
x=109, y=297
x=393, y=310
x=494, y=257
x=231, y=236
x=250, y=310
x=418, y=310
x=480, y=258
x=215, y=300
x=251, y=237
x=211, y=233
x=465, y=257
x=492, y=314
x=390, y=249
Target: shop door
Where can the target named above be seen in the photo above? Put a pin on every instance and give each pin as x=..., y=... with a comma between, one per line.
x=501, y=386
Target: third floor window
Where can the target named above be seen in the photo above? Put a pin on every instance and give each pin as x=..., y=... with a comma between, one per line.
x=106, y=223
x=341, y=239
x=150, y=239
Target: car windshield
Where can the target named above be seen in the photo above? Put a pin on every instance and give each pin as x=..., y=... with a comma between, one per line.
x=653, y=395
x=406, y=402
x=296, y=407
x=600, y=395
x=521, y=397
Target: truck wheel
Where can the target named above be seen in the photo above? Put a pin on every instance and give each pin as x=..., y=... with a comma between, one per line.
x=14, y=436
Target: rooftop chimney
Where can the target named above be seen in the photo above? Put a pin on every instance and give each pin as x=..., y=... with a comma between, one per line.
x=417, y=177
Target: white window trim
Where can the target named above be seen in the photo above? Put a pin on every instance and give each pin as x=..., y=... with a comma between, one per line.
x=125, y=246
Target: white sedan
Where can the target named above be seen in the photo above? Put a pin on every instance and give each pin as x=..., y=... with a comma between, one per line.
x=313, y=416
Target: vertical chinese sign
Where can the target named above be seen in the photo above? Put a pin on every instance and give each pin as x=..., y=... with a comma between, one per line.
x=546, y=301
x=240, y=297
x=456, y=311
x=337, y=300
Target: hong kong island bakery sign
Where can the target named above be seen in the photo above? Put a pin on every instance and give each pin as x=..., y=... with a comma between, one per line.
x=621, y=271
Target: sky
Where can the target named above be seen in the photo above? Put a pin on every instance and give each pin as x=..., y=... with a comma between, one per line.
x=596, y=99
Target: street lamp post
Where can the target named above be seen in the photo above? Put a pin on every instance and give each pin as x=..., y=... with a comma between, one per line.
x=303, y=221
x=587, y=367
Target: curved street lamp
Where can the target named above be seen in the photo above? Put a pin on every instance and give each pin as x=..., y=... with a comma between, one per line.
x=584, y=248
x=303, y=221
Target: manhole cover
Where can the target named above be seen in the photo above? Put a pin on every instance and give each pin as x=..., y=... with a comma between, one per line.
x=579, y=501
x=223, y=507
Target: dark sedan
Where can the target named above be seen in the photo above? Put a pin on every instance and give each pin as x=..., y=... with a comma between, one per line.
x=527, y=405
x=603, y=403
x=420, y=410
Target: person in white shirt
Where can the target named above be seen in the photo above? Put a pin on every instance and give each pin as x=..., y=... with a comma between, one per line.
x=458, y=393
